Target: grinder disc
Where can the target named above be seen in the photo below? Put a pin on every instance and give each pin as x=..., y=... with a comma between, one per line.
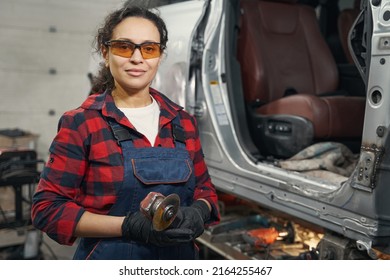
x=166, y=212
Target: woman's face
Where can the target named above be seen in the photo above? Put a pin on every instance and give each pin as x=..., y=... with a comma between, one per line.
x=133, y=74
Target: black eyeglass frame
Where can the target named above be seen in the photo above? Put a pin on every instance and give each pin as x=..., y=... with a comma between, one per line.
x=136, y=46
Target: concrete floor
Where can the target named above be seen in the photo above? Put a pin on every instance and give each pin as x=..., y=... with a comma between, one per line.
x=18, y=244
x=53, y=250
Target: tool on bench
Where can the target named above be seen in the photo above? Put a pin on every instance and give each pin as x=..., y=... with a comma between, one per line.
x=264, y=236
x=255, y=231
x=261, y=237
x=161, y=209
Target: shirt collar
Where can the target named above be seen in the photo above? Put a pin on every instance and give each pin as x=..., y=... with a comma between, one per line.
x=105, y=103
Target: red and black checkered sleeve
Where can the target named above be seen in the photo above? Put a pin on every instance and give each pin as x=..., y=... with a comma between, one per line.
x=204, y=187
x=54, y=210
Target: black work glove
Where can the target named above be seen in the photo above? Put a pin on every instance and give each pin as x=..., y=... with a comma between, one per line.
x=137, y=227
x=193, y=218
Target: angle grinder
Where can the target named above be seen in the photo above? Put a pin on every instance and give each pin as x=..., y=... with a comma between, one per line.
x=162, y=210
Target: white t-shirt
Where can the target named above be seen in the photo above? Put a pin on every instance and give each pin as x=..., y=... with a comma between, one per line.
x=145, y=119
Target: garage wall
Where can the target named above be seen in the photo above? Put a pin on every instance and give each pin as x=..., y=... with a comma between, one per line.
x=44, y=60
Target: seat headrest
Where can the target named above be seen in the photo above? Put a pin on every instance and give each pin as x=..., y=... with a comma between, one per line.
x=356, y=4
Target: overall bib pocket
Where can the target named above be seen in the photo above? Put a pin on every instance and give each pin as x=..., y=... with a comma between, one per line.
x=162, y=171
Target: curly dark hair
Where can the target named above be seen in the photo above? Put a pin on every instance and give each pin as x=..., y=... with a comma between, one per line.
x=104, y=79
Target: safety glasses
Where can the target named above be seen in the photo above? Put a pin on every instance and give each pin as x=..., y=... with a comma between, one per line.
x=126, y=48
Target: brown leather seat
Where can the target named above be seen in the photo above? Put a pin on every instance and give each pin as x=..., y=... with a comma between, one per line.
x=344, y=23
x=281, y=51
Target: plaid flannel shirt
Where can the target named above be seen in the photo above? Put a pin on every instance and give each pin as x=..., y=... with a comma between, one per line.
x=85, y=164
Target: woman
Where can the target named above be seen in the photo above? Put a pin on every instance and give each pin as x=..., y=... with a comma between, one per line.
x=123, y=142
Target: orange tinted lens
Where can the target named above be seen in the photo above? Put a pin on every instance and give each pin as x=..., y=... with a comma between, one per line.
x=150, y=50
x=123, y=49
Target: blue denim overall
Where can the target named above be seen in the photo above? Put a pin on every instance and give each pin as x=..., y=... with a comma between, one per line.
x=152, y=169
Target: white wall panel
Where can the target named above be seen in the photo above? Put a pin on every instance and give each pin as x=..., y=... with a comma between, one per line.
x=40, y=51
x=37, y=101
x=79, y=16
x=37, y=37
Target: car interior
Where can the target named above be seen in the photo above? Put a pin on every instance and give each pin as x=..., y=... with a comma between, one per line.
x=300, y=85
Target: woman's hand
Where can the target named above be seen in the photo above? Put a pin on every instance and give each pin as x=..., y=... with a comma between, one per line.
x=193, y=218
x=137, y=227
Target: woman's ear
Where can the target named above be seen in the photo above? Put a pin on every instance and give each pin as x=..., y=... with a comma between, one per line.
x=104, y=51
x=162, y=57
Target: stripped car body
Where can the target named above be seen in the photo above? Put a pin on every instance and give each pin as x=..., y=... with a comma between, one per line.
x=204, y=73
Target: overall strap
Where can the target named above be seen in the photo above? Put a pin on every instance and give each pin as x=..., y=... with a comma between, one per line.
x=178, y=133
x=121, y=133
